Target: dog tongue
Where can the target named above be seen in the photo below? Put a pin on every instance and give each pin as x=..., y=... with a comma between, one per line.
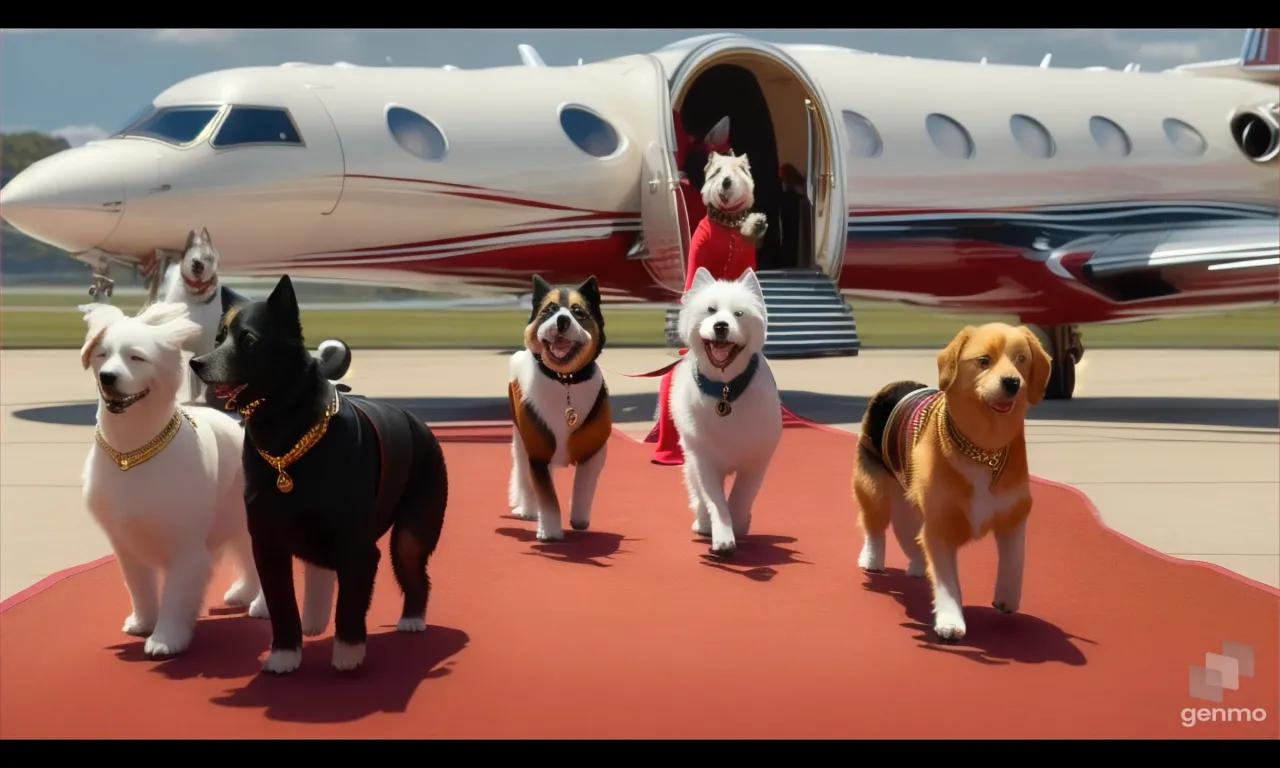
x=720, y=351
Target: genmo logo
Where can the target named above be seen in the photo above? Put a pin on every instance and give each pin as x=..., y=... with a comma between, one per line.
x=1192, y=716
x=1221, y=672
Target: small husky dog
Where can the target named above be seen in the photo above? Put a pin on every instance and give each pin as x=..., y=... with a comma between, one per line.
x=559, y=406
x=194, y=282
x=325, y=476
x=165, y=483
x=725, y=404
x=729, y=193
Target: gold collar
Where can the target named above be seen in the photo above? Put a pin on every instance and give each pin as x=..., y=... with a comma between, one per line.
x=284, y=483
x=993, y=460
x=127, y=460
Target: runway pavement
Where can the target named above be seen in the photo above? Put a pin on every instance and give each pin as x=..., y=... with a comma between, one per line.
x=1178, y=449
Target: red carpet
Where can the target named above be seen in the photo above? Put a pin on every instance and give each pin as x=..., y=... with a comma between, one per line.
x=628, y=631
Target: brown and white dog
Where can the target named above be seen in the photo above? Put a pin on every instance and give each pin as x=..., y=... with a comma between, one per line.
x=559, y=406
x=946, y=466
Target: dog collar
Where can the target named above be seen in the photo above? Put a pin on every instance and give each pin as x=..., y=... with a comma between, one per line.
x=127, y=460
x=197, y=287
x=585, y=373
x=950, y=433
x=284, y=483
x=727, y=391
x=732, y=220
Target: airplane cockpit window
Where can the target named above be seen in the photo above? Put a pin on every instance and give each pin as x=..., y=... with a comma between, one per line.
x=1185, y=139
x=256, y=125
x=864, y=139
x=1032, y=136
x=589, y=132
x=416, y=134
x=951, y=139
x=173, y=125
x=1110, y=137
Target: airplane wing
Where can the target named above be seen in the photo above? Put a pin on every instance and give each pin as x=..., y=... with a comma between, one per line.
x=1259, y=60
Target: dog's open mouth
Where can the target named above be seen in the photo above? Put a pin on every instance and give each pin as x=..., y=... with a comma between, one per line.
x=228, y=392
x=560, y=349
x=119, y=404
x=725, y=205
x=722, y=353
x=1002, y=406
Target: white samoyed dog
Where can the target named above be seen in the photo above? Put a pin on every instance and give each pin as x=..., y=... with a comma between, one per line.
x=164, y=482
x=725, y=404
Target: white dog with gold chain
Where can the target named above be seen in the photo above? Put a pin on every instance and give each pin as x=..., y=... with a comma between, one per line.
x=165, y=482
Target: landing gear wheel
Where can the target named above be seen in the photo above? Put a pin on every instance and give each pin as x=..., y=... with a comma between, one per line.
x=103, y=286
x=1064, y=345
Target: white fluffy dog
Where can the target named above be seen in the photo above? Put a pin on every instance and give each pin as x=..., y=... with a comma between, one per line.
x=194, y=282
x=165, y=483
x=725, y=404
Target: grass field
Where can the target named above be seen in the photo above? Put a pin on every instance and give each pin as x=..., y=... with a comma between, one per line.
x=880, y=326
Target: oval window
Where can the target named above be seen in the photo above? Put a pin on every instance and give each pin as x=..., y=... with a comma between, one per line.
x=951, y=139
x=1110, y=137
x=1032, y=136
x=1185, y=139
x=589, y=132
x=416, y=134
x=864, y=139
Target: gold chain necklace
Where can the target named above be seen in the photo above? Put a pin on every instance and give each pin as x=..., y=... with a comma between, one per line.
x=993, y=460
x=284, y=483
x=127, y=460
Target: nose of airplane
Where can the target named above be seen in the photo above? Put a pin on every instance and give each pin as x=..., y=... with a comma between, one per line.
x=72, y=200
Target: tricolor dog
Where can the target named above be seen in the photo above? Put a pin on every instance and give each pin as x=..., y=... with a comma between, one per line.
x=164, y=482
x=947, y=466
x=559, y=406
x=725, y=404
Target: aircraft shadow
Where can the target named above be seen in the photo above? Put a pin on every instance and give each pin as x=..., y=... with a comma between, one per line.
x=818, y=407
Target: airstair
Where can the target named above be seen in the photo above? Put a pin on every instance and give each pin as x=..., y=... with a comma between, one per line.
x=807, y=316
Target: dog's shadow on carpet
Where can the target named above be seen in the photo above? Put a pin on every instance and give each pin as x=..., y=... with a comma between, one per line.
x=991, y=637
x=231, y=648
x=756, y=556
x=582, y=547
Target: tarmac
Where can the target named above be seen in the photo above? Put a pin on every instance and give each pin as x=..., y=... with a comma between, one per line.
x=1178, y=449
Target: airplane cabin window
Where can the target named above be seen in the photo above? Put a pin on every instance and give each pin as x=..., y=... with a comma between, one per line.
x=1185, y=139
x=951, y=139
x=1110, y=137
x=256, y=125
x=589, y=132
x=864, y=139
x=1032, y=136
x=173, y=125
x=416, y=134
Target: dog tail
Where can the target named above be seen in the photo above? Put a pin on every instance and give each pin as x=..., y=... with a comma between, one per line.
x=335, y=358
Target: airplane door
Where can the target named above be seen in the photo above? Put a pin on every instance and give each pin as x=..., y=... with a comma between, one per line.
x=663, y=218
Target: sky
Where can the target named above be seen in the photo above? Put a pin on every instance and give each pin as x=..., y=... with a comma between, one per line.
x=85, y=84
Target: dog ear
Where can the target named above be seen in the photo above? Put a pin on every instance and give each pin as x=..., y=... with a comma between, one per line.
x=711, y=160
x=191, y=240
x=540, y=290
x=204, y=235
x=718, y=136
x=701, y=279
x=1040, y=366
x=949, y=358
x=283, y=300
x=98, y=317
x=590, y=290
x=173, y=319
x=749, y=279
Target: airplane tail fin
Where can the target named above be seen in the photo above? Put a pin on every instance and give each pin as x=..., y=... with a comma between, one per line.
x=1259, y=60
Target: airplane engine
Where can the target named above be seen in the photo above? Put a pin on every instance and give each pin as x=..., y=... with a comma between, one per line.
x=1256, y=131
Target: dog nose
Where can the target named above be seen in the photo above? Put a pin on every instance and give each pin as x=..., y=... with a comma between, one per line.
x=726, y=183
x=1010, y=384
x=721, y=328
x=562, y=323
x=107, y=378
x=197, y=267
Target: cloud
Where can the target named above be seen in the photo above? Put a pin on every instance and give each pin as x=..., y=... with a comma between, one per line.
x=194, y=36
x=79, y=134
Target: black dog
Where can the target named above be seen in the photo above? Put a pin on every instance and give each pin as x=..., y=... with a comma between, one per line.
x=326, y=475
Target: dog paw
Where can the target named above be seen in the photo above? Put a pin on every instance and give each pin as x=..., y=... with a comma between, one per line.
x=755, y=226
x=314, y=627
x=167, y=643
x=916, y=569
x=949, y=630
x=702, y=526
x=239, y=594
x=547, y=536
x=1005, y=606
x=724, y=549
x=282, y=661
x=523, y=513
x=580, y=525
x=258, y=608
x=137, y=627
x=347, y=656
x=870, y=560
x=411, y=624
